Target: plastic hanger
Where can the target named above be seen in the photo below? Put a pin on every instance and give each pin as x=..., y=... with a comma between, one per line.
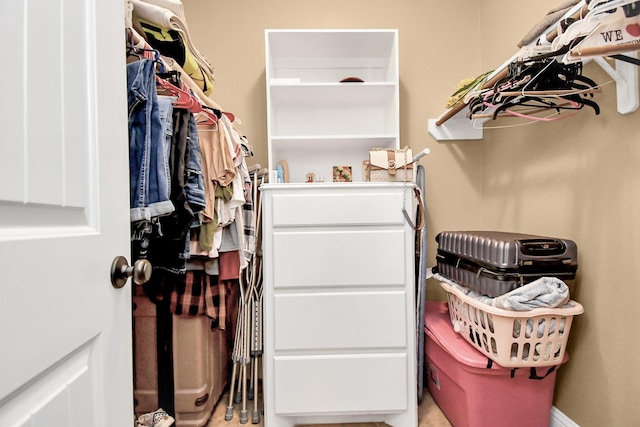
x=184, y=99
x=230, y=116
x=597, y=6
x=534, y=87
x=210, y=116
x=217, y=114
x=601, y=14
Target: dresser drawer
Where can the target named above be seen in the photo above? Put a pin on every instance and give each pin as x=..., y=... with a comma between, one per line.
x=339, y=258
x=348, y=320
x=338, y=208
x=341, y=384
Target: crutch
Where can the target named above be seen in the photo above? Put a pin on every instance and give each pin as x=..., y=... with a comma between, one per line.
x=245, y=351
x=256, y=297
x=243, y=336
x=256, y=334
x=250, y=304
x=236, y=355
x=240, y=355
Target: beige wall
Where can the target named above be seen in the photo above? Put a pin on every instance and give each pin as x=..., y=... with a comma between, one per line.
x=576, y=178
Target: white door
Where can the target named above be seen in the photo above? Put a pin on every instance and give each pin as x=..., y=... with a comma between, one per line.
x=65, y=332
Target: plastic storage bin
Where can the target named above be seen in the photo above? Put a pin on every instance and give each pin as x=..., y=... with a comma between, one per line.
x=535, y=337
x=470, y=393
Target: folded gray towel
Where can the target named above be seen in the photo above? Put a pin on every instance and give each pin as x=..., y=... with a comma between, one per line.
x=546, y=292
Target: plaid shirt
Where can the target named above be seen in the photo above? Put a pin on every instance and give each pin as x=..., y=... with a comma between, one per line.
x=201, y=294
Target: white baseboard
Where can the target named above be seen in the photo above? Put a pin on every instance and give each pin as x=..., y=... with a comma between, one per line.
x=558, y=419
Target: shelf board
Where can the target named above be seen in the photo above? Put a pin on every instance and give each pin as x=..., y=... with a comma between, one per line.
x=294, y=82
x=348, y=94
x=333, y=142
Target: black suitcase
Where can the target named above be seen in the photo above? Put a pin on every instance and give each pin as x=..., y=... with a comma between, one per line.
x=495, y=262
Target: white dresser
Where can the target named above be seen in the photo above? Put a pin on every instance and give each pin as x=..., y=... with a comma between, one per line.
x=339, y=328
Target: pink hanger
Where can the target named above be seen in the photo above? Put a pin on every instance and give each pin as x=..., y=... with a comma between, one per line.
x=185, y=99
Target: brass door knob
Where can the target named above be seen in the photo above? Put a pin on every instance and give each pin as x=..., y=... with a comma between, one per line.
x=121, y=271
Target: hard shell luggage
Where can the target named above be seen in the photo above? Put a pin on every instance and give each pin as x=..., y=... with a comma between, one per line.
x=495, y=262
x=198, y=357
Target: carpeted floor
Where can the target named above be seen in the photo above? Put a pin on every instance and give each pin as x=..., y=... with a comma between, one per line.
x=429, y=415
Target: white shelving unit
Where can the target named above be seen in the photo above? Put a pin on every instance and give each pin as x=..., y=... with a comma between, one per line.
x=339, y=301
x=314, y=122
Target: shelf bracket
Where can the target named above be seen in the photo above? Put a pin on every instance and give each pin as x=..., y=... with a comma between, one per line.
x=626, y=77
x=458, y=127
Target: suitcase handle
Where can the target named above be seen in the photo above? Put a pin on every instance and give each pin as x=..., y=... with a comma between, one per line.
x=542, y=247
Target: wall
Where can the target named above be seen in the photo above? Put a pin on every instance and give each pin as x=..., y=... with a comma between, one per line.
x=575, y=178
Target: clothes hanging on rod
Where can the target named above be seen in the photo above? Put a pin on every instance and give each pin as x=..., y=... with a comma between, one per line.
x=168, y=32
x=164, y=237
x=139, y=47
x=184, y=186
x=149, y=187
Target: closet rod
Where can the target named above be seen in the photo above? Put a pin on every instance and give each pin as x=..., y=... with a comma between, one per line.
x=605, y=50
x=461, y=104
x=550, y=92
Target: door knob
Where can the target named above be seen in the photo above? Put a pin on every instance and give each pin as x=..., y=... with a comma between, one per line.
x=121, y=271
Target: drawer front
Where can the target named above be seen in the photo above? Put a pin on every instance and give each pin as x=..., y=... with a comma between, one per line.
x=341, y=384
x=354, y=208
x=339, y=258
x=353, y=320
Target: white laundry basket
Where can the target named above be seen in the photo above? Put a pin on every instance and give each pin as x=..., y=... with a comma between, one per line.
x=532, y=338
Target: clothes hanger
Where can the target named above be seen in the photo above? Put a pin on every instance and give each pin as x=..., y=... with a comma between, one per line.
x=184, y=99
x=535, y=86
x=214, y=111
x=211, y=116
x=138, y=47
x=532, y=112
x=603, y=17
x=207, y=118
x=531, y=108
x=597, y=6
x=519, y=105
x=572, y=30
x=219, y=113
x=551, y=78
x=131, y=47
